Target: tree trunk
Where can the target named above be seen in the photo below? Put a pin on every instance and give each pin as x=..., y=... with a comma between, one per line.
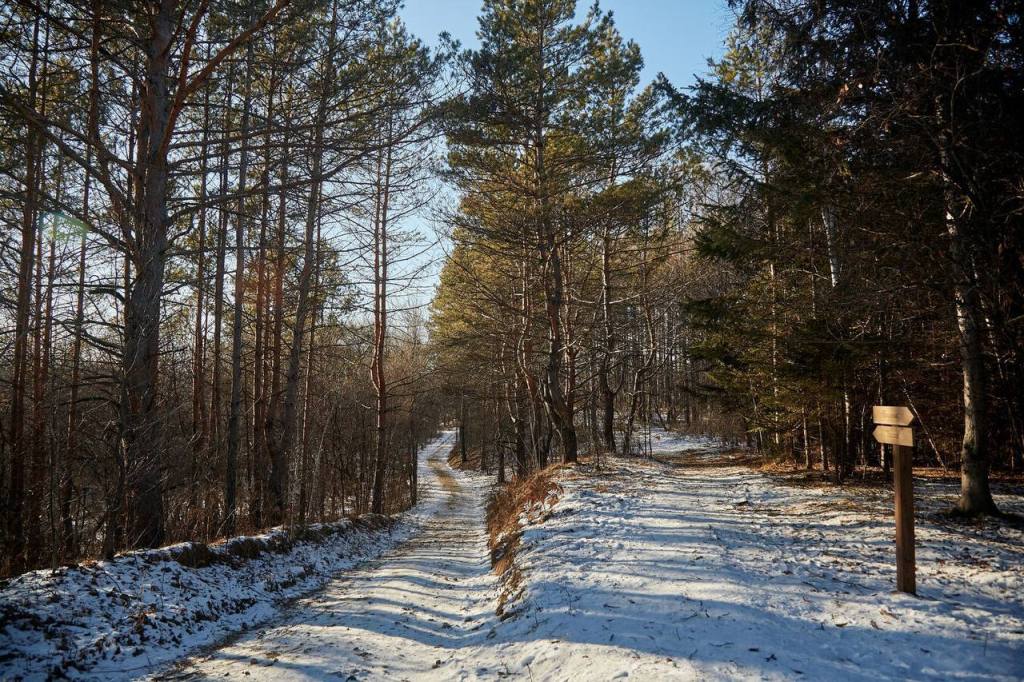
x=199, y=413
x=15, y=540
x=307, y=391
x=554, y=399
x=235, y=410
x=216, y=403
x=463, y=456
x=380, y=319
x=975, y=495
x=274, y=410
x=281, y=446
x=140, y=417
x=258, y=454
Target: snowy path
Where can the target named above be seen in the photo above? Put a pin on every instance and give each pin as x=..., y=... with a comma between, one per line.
x=711, y=571
x=650, y=571
x=416, y=612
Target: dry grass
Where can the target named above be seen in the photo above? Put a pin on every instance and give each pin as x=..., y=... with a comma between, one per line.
x=197, y=555
x=532, y=495
x=474, y=458
x=791, y=472
x=873, y=476
x=237, y=549
x=710, y=459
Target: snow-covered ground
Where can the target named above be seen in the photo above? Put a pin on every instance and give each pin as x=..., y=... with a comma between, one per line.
x=124, y=618
x=691, y=568
x=424, y=609
x=650, y=571
x=664, y=442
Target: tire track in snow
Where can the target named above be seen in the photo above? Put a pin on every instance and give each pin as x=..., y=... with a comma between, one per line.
x=415, y=613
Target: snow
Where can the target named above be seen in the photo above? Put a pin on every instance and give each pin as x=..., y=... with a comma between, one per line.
x=685, y=567
x=649, y=570
x=420, y=610
x=664, y=442
x=122, y=618
x=653, y=571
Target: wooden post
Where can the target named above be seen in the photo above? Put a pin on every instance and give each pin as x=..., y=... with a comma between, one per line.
x=892, y=429
x=906, y=570
x=414, y=478
x=462, y=430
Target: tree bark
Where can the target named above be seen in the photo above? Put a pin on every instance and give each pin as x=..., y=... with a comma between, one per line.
x=199, y=411
x=975, y=495
x=281, y=446
x=380, y=319
x=554, y=398
x=15, y=540
x=463, y=456
x=141, y=433
x=235, y=410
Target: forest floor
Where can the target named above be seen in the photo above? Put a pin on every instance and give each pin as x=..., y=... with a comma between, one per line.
x=692, y=565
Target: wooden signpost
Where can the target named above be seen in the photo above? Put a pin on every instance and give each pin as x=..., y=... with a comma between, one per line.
x=893, y=429
x=897, y=436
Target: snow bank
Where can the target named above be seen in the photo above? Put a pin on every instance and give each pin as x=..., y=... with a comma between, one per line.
x=119, y=619
x=116, y=618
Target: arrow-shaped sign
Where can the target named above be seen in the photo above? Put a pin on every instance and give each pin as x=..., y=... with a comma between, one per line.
x=894, y=435
x=892, y=415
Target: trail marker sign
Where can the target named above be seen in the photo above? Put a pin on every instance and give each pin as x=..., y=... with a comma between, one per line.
x=893, y=429
x=889, y=414
x=894, y=435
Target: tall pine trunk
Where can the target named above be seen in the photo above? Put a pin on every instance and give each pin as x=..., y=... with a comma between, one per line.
x=975, y=495
x=380, y=327
x=15, y=540
x=235, y=409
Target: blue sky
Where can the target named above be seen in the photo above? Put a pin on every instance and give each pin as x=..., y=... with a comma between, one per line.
x=675, y=36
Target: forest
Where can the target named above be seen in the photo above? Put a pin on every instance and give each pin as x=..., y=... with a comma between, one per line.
x=222, y=224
